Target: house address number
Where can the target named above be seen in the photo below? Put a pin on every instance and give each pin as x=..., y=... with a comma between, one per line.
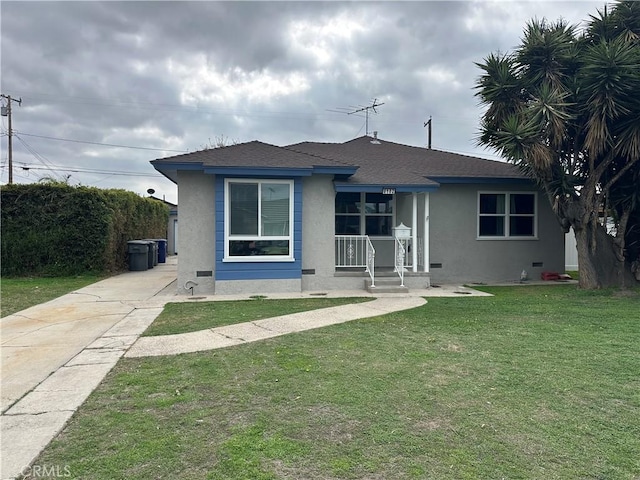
x=388, y=191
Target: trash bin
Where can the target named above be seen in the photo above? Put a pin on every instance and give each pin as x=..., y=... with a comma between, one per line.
x=153, y=251
x=138, y=252
x=162, y=250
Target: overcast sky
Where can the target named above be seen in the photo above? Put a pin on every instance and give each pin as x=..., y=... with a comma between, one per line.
x=175, y=76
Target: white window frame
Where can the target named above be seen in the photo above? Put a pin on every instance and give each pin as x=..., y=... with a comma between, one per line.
x=259, y=237
x=507, y=215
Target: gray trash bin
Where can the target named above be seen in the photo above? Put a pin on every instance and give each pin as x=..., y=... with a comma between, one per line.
x=138, y=252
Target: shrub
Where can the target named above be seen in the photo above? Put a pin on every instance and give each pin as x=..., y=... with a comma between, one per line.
x=57, y=229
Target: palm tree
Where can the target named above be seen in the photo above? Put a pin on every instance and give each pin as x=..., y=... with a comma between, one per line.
x=564, y=107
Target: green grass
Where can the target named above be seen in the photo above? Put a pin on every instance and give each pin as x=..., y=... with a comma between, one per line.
x=535, y=382
x=190, y=317
x=20, y=293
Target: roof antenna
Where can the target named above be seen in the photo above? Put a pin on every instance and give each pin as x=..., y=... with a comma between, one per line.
x=428, y=123
x=351, y=110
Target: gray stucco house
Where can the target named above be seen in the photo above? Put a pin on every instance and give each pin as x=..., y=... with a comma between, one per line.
x=258, y=218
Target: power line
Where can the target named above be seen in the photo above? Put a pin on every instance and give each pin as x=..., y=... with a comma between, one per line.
x=36, y=155
x=60, y=168
x=102, y=144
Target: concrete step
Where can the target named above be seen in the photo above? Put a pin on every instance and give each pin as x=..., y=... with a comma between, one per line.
x=385, y=285
x=387, y=289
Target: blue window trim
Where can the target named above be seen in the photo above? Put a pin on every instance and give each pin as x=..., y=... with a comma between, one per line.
x=483, y=180
x=276, y=258
x=259, y=172
x=259, y=270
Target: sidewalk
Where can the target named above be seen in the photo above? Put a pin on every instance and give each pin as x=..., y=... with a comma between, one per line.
x=55, y=354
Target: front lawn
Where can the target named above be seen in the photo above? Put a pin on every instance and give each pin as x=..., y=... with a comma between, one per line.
x=24, y=292
x=536, y=382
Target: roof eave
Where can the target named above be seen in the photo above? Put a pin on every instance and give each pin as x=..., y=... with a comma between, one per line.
x=170, y=170
x=378, y=187
x=483, y=180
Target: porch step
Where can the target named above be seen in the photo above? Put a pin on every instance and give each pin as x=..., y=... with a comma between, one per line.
x=385, y=285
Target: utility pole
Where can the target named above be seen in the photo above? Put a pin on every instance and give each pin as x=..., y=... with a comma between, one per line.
x=428, y=123
x=6, y=112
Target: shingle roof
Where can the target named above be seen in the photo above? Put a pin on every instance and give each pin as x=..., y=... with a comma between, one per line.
x=374, y=163
x=393, y=163
x=250, y=154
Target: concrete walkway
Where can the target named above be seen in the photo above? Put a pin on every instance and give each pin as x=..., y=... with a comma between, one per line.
x=230, y=335
x=55, y=354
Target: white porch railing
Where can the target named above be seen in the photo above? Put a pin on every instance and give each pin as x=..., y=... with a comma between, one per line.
x=400, y=260
x=356, y=251
x=371, y=262
x=408, y=254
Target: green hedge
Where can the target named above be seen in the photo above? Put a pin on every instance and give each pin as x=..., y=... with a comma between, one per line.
x=58, y=229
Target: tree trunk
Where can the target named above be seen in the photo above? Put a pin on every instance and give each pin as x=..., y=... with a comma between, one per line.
x=599, y=267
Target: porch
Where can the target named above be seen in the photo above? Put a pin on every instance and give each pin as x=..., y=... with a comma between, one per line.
x=402, y=266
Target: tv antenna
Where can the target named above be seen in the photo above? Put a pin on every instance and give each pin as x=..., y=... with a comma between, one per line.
x=360, y=108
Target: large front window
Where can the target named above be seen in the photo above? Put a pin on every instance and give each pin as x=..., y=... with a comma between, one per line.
x=507, y=215
x=258, y=219
x=364, y=214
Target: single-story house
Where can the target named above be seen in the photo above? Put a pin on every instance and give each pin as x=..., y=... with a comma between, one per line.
x=258, y=218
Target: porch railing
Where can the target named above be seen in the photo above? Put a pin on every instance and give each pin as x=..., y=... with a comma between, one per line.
x=399, y=263
x=356, y=251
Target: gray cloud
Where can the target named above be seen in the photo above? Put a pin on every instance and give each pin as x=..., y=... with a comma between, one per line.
x=173, y=75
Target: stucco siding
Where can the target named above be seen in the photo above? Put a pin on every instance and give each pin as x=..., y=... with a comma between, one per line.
x=457, y=255
x=318, y=227
x=196, y=265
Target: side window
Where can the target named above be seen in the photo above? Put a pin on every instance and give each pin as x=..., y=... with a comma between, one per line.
x=506, y=215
